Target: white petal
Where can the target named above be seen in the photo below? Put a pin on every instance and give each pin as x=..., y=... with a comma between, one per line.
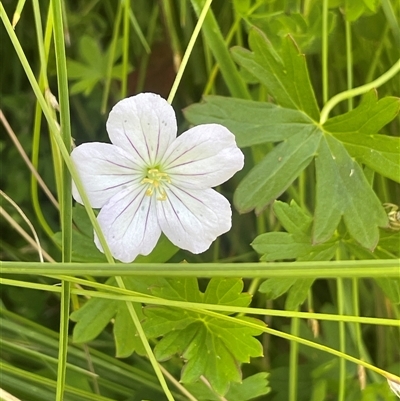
x=202, y=157
x=129, y=223
x=394, y=386
x=193, y=219
x=104, y=170
x=144, y=125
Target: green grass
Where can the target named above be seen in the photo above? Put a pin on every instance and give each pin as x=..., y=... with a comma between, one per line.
x=318, y=317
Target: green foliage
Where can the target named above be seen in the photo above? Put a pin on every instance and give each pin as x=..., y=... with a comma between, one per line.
x=251, y=387
x=213, y=347
x=339, y=146
x=296, y=243
x=184, y=332
x=283, y=71
x=93, y=67
x=331, y=178
x=97, y=313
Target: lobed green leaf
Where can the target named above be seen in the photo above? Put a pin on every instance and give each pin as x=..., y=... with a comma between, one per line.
x=272, y=176
x=211, y=346
x=369, y=117
x=251, y=122
x=343, y=190
x=284, y=73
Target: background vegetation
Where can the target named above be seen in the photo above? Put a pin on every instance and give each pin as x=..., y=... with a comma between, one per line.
x=225, y=326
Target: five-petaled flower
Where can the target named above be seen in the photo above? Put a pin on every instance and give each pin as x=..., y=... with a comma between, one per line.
x=149, y=181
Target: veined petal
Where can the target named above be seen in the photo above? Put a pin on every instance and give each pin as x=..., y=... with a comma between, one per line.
x=104, y=170
x=143, y=125
x=129, y=223
x=202, y=157
x=193, y=219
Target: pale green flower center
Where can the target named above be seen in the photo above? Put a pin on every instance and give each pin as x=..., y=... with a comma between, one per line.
x=155, y=180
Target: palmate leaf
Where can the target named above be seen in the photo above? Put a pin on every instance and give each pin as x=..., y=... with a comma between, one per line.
x=283, y=72
x=343, y=190
x=251, y=387
x=338, y=146
x=93, y=68
x=251, y=122
x=296, y=243
x=211, y=347
x=272, y=176
x=357, y=131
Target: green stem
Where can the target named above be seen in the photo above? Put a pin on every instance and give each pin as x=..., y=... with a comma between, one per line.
x=62, y=80
x=17, y=12
x=145, y=342
x=63, y=339
x=213, y=74
x=358, y=91
x=174, y=40
x=373, y=268
x=105, y=291
x=110, y=61
x=43, y=46
x=145, y=59
x=392, y=20
x=215, y=40
x=325, y=72
x=54, y=130
x=294, y=359
x=66, y=204
x=188, y=51
x=349, y=62
x=125, y=54
x=342, y=340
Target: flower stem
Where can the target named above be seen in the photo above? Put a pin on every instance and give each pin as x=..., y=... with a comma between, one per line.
x=216, y=42
x=358, y=91
x=145, y=342
x=188, y=51
x=66, y=203
x=325, y=87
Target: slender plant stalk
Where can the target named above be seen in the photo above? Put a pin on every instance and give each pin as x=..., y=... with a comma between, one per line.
x=25, y=235
x=221, y=54
x=318, y=270
x=349, y=62
x=125, y=53
x=145, y=59
x=116, y=293
x=358, y=91
x=342, y=340
x=113, y=47
x=138, y=31
x=17, y=12
x=392, y=19
x=294, y=359
x=27, y=221
x=54, y=130
x=188, y=51
x=66, y=204
x=146, y=344
x=172, y=32
x=325, y=33
x=43, y=47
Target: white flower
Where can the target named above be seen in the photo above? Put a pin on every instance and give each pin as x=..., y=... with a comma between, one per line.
x=149, y=181
x=394, y=386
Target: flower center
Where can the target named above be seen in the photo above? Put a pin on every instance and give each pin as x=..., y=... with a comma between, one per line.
x=155, y=180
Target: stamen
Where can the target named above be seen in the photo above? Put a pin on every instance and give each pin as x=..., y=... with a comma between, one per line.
x=155, y=180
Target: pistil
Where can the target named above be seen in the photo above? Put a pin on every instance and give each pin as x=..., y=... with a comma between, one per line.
x=156, y=179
